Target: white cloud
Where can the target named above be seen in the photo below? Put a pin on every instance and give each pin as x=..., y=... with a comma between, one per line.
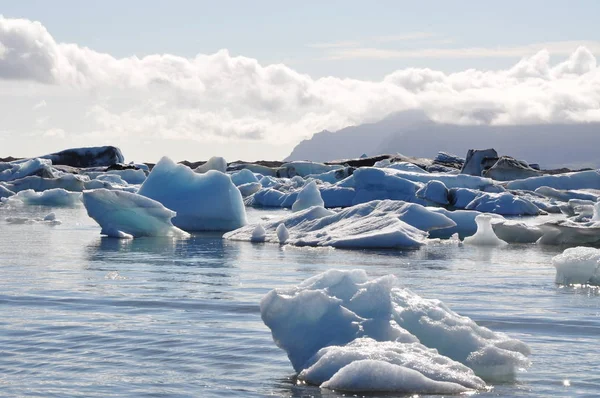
x=39, y=105
x=556, y=48
x=220, y=99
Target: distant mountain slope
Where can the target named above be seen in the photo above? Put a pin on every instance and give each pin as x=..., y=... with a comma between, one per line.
x=550, y=145
x=353, y=141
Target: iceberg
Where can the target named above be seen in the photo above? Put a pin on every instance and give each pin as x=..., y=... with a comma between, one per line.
x=309, y=196
x=567, y=232
x=282, y=233
x=578, y=266
x=127, y=215
x=332, y=323
x=304, y=169
x=504, y=203
x=203, y=202
x=129, y=176
x=434, y=191
x=5, y=192
x=377, y=224
x=68, y=182
x=249, y=188
x=242, y=177
x=51, y=197
x=87, y=157
x=568, y=181
x=215, y=163
x=38, y=167
x=566, y=195
x=485, y=235
x=516, y=232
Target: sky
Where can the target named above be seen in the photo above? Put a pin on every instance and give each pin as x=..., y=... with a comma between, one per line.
x=249, y=80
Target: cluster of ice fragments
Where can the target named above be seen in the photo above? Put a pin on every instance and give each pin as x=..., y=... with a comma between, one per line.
x=346, y=332
x=332, y=204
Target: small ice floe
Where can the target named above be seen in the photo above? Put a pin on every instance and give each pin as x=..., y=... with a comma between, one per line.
x=344, y=331
x=485, y=235
x=126, y=215
x=282, y=233
x=578, y=266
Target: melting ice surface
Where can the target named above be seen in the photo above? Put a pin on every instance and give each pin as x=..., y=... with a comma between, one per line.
x=90, y=316
x=341, y=319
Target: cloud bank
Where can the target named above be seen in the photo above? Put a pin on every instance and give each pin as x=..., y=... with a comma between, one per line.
x=220, y=98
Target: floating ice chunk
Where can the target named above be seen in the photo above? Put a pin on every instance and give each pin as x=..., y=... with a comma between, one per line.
x=460, y=198
x=578, y=265
x=516, y=232
x=268, y=181
x=340, y=318
x=377, y=224
x=249, y=188
x=564, y=195
x=258, y=234
x=87, y=157
x=207, y=201
x=485, y=235
x=282, y=233
x=303, y=168
x=465, y=223
x=242, y=177
x=333, y=176
x=434, y=191
x=503, y=203
x=126, y=215
x=596, y=212
x=309, y=196
x=39, y=167
x=69, y=182
x=567, y=232
x=5, y=192
x=126, y=176
x=215, y=163
x=50, y=197
x=567, y=181
x=50, y=217
x=404, y=166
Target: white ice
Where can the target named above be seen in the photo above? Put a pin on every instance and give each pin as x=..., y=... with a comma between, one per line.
x=5, y=192
x=243, y=176
x=377, y=224
x=282, y=233
x=69, y=182
x=485, y=235
x=504, y=203
x=567, y=181
x=340, y=318
x=206, y=201
x=27, y=168
x=578, y=266
x=130, y=176
x=434, y=191
x=258, y=234
x=126, y=215
x=50, y=197
x=215, y=163
x=309, y=196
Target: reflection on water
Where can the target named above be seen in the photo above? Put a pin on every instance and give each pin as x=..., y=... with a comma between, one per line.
x=91, y=316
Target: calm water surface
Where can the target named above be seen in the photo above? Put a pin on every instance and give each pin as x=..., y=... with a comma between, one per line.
x=88, y=316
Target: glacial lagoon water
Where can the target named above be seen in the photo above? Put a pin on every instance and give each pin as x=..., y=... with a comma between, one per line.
x=85, y=316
